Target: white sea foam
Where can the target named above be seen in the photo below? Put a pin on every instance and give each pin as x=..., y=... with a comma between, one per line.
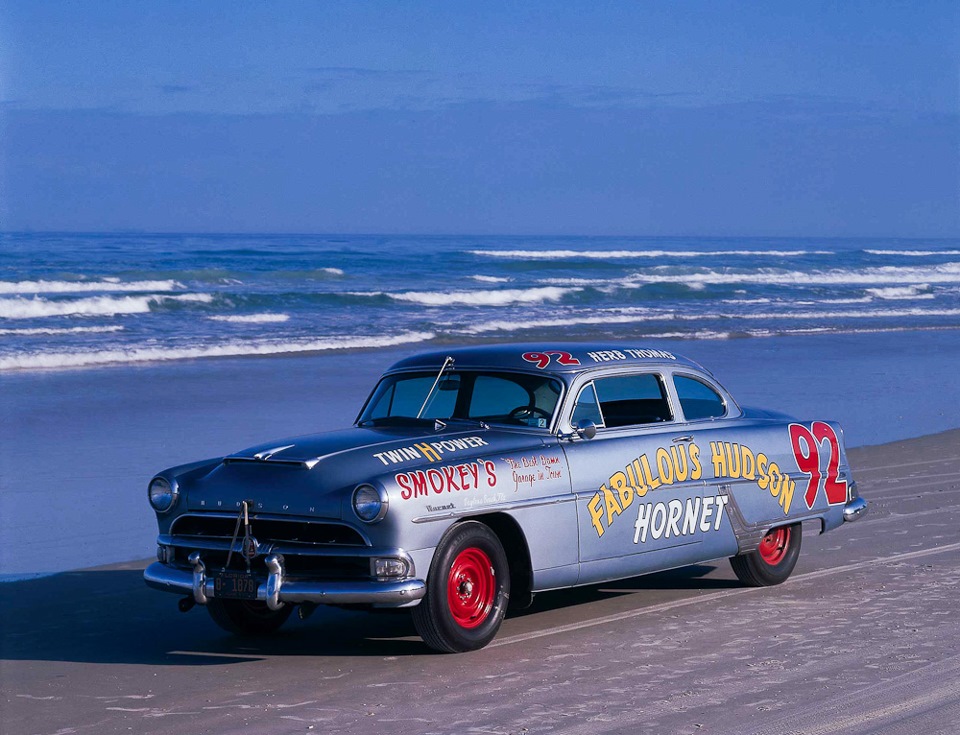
x=53, y=331
x=629, y=316
x=915, y=253
x=901, y=293
x=105, y=285
x=491, y=279
x=19, y=307
x=946, y=273
x=251, y=318
x=54, y=360
x=627, y=254
x=484, y=298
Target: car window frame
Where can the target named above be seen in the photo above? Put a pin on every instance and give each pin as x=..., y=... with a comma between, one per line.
x=732, y=408
x=582, y=380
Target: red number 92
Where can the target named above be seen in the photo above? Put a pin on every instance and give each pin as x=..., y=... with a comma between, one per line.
x=806, y=445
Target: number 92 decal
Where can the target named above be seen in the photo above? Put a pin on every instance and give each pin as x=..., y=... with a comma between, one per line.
x=542, y=359
x=808, y=446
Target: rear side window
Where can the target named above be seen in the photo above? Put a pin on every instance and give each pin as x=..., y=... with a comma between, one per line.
x=698, y=400
x=628, y=400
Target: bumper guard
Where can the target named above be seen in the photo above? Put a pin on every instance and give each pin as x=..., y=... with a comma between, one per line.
x=277, y=589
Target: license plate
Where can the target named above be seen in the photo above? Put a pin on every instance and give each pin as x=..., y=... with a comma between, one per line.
x=235, y=585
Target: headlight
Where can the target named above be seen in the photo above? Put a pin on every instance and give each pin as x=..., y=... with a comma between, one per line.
x=163, y=494
x=369, y=503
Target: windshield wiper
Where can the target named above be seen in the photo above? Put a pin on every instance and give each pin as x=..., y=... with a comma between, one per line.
x=447, y=362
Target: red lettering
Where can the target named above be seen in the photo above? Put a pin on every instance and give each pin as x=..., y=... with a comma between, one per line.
x=808, y=460
x=403, y=480
x=449, y=474
x=491, y=469
x=539, y=358
x=835, y=489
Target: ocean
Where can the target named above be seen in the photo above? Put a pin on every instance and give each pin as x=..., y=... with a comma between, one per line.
x=124, y=354
x=92, y=300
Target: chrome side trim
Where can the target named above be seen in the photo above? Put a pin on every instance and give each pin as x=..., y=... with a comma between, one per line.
x=854, y=510
x=401, y=593
x=496, y=507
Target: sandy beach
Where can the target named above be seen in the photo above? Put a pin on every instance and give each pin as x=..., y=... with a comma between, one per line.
x=77, y=447
x=862, y=639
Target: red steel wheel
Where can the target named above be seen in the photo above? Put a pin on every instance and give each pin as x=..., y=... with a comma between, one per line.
x=471, y=587
x=468, y=589
x=774, y=559
x=774, y=545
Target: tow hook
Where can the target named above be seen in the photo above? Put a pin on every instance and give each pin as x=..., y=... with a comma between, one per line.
x=185, y=604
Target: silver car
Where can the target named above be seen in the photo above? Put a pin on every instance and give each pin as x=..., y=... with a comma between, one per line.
x=474, y=478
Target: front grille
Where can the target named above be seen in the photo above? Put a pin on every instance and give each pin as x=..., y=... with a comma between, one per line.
x=268, y=530
x=321, y=567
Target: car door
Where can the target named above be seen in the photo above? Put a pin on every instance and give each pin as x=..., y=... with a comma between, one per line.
x=639, y=482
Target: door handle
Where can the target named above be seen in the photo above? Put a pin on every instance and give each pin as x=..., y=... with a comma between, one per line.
x=679, y=439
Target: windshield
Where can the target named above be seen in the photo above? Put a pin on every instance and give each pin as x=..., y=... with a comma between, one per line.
x=514, y=399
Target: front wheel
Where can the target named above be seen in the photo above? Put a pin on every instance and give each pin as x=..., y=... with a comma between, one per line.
x=774, y=559
x=247, y=617
x=468, y=588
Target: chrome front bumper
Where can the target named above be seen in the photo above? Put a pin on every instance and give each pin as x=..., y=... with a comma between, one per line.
x=278, y=589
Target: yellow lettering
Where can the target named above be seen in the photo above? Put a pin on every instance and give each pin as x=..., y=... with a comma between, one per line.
x=719, y=460
x=664, y=466
x=619, y=483
x=652, y=482
x=610, y=501
x=428, y=452
x=763, y=480
x=786, y=493
x=679, y=453
x=596, y=513
x=748, y=464
x=697, y=472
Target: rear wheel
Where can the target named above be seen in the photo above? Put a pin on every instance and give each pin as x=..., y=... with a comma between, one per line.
x=774, y=559
x=247, y=617
x=468, y=588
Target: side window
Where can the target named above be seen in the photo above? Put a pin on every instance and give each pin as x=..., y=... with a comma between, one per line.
x=633, y=399
x=587, y=407
x=698, y=400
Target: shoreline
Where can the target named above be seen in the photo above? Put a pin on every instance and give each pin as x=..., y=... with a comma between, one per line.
x=79, y=446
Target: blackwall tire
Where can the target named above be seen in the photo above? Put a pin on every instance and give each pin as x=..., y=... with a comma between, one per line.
x=247, y=618
x=468, y=588
x=773, y=562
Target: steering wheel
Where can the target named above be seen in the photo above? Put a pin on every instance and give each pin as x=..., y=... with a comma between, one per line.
x=528, y=412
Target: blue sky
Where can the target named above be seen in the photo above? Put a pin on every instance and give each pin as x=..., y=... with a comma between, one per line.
x=644, y=118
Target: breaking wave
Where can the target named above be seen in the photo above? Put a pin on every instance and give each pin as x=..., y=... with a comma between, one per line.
x=625, y=254
x=914, y=253
x=53, y=331
x=947, y=273
x=105, y=285
x=37, y=307
x=54, y=360
x=251, y=318
x=899, y=293
x=491, y=279
x=481, y=298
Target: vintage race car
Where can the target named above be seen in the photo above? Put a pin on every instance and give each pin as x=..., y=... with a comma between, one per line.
x=476, y=477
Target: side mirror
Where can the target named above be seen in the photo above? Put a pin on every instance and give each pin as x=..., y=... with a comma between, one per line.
x=586, y=429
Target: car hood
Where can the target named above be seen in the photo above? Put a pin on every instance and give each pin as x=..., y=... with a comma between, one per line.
x=314, y=474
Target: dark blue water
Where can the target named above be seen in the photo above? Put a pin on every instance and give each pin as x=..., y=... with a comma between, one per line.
x=74, y=300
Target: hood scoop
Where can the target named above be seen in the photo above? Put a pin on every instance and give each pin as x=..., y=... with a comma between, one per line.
x=267, y=457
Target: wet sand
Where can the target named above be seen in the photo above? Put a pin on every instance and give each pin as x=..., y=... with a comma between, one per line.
x=862, y=639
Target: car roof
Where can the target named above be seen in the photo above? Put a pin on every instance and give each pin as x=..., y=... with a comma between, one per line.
x=551, y=357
